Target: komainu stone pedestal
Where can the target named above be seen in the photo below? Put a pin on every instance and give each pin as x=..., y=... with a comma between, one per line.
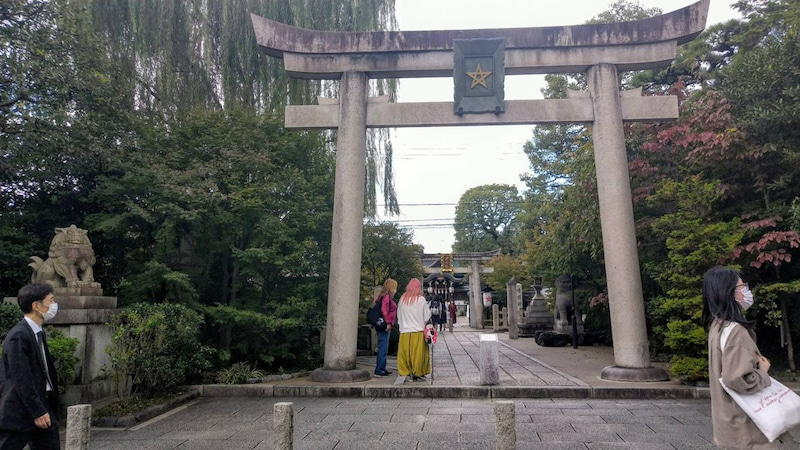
x=83, y=313
x=537, y=316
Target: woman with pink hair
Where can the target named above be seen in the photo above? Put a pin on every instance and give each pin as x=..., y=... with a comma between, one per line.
x=413, y=314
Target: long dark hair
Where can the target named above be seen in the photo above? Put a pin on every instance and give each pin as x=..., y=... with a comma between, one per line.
x=719, y=285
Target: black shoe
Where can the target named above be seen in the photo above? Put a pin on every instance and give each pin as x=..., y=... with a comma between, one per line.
x=382, y=374
x=387, y=372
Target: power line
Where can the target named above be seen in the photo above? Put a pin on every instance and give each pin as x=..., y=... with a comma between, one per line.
x=453, y=204
x=425, y=204
x=420, y=220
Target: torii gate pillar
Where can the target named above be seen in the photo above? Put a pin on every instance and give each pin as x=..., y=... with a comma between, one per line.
x=631, y=350
x=341, y=334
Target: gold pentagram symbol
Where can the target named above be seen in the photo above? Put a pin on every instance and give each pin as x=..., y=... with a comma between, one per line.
x=479, y=77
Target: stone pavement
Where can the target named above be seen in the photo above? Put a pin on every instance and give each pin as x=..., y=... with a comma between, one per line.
x=554, y=409
x=456, y=359
x=416, y=424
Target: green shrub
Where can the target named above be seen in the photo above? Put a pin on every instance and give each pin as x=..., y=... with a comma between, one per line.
x=689, y=369
x=10, y=314
x=274, y=342
x=62, y=349
x=238, y=373
x=156, y=348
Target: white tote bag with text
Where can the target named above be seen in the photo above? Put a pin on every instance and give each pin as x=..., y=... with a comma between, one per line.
x=774, y=409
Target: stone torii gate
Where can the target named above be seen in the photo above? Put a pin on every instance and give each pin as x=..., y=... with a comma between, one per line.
x=599, y=50
x=474, y=270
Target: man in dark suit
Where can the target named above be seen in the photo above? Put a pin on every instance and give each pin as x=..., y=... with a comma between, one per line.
x=28, y=379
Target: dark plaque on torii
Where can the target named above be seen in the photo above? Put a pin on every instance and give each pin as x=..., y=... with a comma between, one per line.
x=479, y=76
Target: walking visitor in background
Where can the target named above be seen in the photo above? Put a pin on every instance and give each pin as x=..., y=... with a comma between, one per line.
x=451, y=308
x=28, y=378
x=438, y=312
x=740, y=365
x=389, y=314
x=413, y=314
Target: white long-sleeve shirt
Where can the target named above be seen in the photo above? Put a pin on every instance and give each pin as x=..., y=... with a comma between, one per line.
x=413, y=316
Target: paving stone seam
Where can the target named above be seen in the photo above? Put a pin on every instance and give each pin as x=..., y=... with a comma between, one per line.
x=459, y=391
x=567, y=376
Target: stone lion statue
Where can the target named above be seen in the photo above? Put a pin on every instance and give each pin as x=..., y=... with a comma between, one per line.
x=69, y=262
x=563, y=311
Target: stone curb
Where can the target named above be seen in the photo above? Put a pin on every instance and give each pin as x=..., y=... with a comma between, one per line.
x=471, y=392
x=146, y=414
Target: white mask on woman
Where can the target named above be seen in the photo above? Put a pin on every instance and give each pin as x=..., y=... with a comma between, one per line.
x=747, y=298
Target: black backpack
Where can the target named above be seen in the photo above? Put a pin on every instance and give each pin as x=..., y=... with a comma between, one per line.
x=375, y=317
x=435, y=308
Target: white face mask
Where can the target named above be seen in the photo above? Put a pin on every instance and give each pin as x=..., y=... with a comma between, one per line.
x=51, y=312
x=747, y=298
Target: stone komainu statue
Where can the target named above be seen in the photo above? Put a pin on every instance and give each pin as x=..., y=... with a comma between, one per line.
x=69, y=262
x=563, y=311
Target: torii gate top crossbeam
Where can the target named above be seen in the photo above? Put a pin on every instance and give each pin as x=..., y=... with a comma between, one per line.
x=322, y=54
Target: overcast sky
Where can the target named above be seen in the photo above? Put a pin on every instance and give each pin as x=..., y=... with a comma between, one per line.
x=433, y=167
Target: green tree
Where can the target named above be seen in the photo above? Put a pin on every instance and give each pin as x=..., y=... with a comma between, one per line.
x=181, y=55
x=761, y=85
x=697, y=189
x=61, y=121
x=228, y=207
x=388, y=251
x=486, y=218
x=505, y=268
x=695, y=242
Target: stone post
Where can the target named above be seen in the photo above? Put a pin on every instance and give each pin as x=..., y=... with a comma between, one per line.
x=626, y=304
x=512, y=318
x=79, y=422
x=476, y=307
x=495, y=318
x=283, y=421
x=490, y=359
x=348, y=213
x=450, y=319
x=505, y=431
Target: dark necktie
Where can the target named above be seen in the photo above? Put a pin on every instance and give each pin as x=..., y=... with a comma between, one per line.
x=40, y=341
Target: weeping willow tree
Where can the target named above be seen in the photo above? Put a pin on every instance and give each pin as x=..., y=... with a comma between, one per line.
x=184, y=54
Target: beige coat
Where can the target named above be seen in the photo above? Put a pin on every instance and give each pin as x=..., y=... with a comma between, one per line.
x=738, y=367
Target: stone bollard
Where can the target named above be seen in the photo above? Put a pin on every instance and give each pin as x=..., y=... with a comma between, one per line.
x=490, y=360
x=495, y=318
x=79, y=422
x=512, y=317
x=505, y=432
x=284, y=426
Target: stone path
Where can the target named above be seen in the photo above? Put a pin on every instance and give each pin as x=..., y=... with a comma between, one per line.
x=456, y=359
x=417, y=424
x=654, y=420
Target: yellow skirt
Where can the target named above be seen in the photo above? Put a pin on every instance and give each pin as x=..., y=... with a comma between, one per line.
x=412, y=355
